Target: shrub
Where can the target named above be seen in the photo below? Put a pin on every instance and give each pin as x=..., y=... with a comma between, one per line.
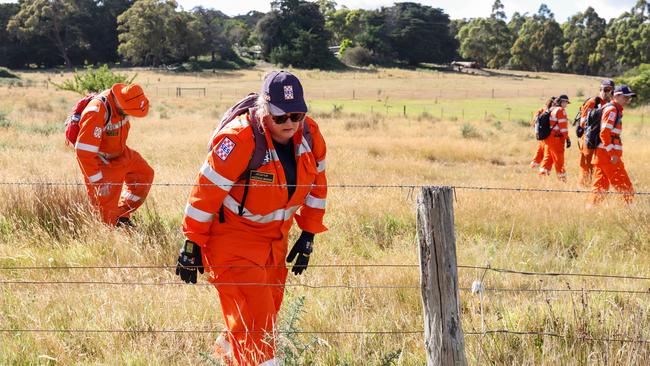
x=94, y=80
x=4, y=122
x=639, y=80
x=357, y=56
x=469, y=131
x=6, y=73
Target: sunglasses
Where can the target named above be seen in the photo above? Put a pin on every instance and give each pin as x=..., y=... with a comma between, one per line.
x=294, y=117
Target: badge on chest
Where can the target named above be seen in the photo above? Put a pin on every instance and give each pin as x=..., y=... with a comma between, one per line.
x=262, y=177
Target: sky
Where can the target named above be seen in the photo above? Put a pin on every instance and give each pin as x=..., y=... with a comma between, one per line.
x=456, y=9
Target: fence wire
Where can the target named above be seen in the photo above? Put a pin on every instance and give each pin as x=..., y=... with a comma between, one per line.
x=339, y=185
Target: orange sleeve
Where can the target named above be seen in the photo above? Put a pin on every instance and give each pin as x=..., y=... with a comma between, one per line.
x=607, y=122
x=585, y=110
x=91, y=130
x=222, y=168
x=312, y=212
x=562, y=123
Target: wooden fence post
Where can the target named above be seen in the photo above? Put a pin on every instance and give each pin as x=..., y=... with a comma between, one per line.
x=443, y=335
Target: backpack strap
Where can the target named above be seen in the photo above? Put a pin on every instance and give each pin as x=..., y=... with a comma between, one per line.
x=256, y=160
x=104, y=100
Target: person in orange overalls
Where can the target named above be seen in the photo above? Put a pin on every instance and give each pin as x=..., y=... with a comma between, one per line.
x=608, y=166
x=244, y=245
x=555, y=142
x=586, y=154
x=539, y=153
x=117, y=178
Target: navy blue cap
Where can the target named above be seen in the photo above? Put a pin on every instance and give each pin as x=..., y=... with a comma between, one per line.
x=624, y=90
x=563, y=97
x=283, y=91
x=607, y=83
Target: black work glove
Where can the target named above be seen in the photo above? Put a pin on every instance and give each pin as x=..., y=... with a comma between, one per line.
x=189, y=260
x=302, y=248
x=568, y=143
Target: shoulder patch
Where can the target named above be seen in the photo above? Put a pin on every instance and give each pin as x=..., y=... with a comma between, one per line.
x=225, y=147
x=612, y=116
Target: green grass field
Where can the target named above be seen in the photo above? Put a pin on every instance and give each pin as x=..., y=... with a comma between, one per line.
x=454, y=133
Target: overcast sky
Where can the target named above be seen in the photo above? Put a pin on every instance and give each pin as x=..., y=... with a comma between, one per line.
x=455, y=8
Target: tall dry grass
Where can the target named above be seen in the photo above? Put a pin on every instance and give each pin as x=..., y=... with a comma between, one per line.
x=52, y=226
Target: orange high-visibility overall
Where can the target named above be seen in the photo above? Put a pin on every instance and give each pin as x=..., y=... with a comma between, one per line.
x=586, y=154
x=607, y=172
x=554, y=144
x=107, y=163
x=539, y=153
x=250, y=249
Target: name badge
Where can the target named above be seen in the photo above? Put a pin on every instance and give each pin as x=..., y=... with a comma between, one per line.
x=262, y=177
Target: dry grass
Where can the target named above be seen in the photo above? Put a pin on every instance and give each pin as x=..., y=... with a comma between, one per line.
x=531, y=231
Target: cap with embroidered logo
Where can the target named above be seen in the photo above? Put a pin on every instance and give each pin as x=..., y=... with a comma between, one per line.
x=283, y=91
x=131, y=99
x=624, y=90
x=607, y=83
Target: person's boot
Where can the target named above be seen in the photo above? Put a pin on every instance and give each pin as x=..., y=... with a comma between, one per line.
x=125, y=222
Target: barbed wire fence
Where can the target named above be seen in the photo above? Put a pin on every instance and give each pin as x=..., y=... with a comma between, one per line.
x=479, y=288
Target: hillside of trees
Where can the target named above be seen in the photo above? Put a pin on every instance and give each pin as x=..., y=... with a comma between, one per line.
x=50, y=33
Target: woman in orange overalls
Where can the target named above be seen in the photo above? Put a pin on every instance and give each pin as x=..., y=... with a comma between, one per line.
x=555, y=142
x=241, y=235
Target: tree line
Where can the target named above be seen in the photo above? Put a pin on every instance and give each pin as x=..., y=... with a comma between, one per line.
x=48, y=33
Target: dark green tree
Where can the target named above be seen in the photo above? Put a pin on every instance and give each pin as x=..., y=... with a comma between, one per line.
x=56, y=20
x=581, y=34
x=498, y=11
x=516, y=22
x=10, y=46
x=294, y=33
x=535, y=47
x=486, y=40
x=626, y=40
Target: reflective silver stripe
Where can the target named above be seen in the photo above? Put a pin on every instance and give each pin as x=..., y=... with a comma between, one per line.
x=216, y=178
x=552, y=118
x=224, y=345
x=321, y=166
x=303, y=148
x=86, y=147
x=561, y=120
x=96, y=178
x=609, y=125
x=237, y=122
x=314, y=202
x=561, y=175
x=92, y=109
x=103, y=159
x=115, y=126
x=608, y=147
x=556, y=127
x=131, y=197
x=564, y=130
x=198, y=215
x=618, y=147
x=274, y=155
x=616, y=130
x=583, y=119
x=277, y=215
x=271, y=362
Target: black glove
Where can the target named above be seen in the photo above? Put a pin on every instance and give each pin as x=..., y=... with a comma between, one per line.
x=302, y=248
x=568, y=143
x=189, y=260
